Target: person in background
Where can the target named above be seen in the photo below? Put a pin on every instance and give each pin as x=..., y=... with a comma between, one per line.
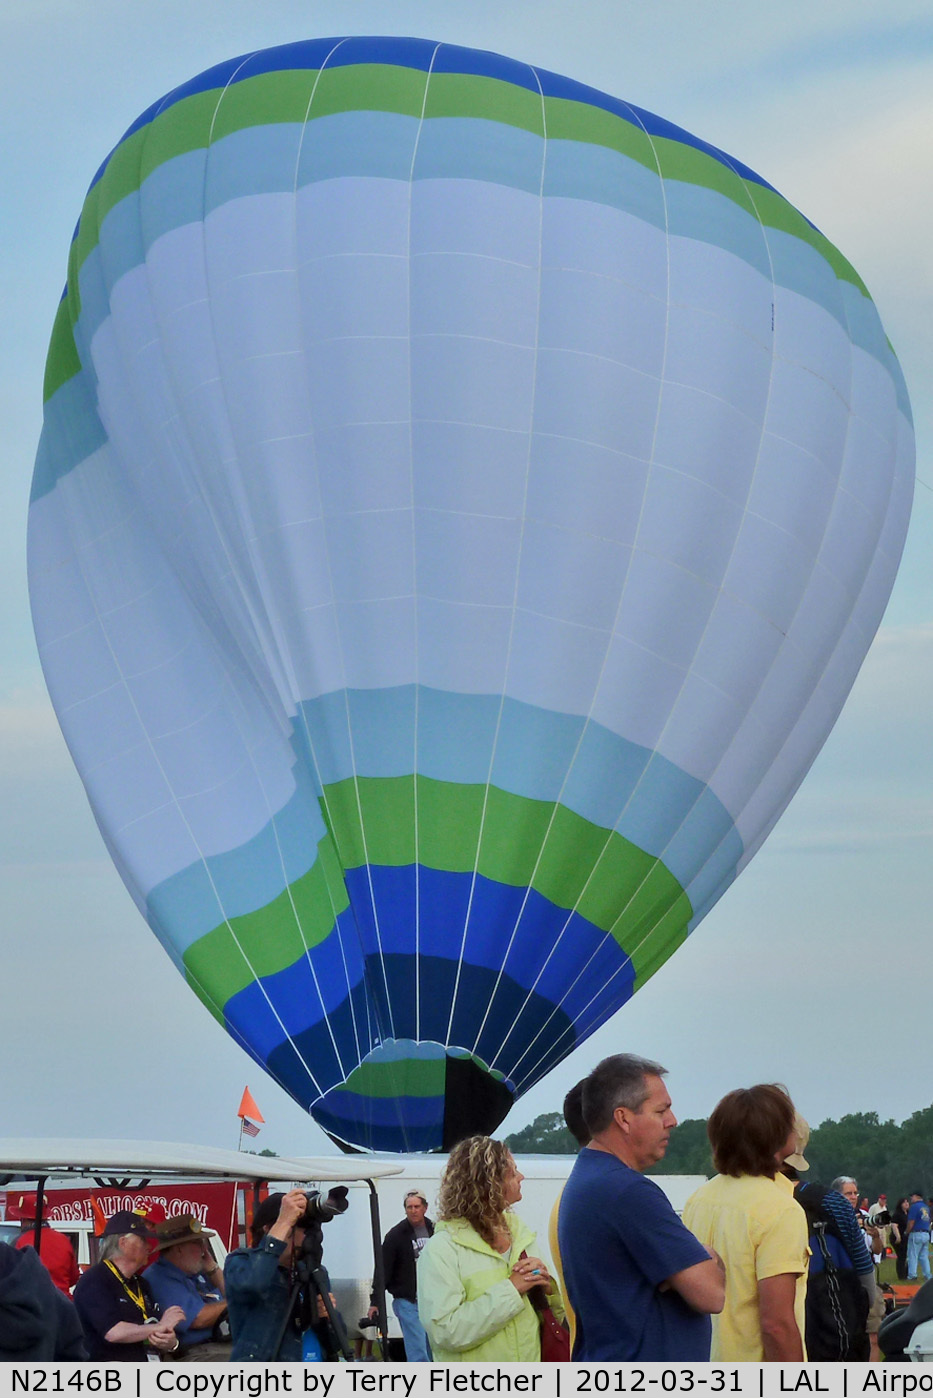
x=476, y=1272
x=918, y=1238
x=847, y=1186
x=642, y=1285
x=401, y=1250
x=576, y=1125
x=830, y=1326
x=55, y=1249
x=120, y=1317
x=185, y=1273
x=899, y=1226
x=749, y=1216
x=37, y=1321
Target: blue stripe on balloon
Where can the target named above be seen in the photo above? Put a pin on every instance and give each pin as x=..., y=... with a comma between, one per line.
x=299, y=1028
x=351, y=1123
x=443, y=904
x=342, y=1107
x=614, y=783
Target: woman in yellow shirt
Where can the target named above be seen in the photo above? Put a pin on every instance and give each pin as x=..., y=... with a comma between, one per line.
x=748, y=1215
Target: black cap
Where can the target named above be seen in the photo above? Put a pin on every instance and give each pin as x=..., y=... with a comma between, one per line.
x=127, y=1222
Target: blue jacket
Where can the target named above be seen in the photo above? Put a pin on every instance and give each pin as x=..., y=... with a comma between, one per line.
x=258, y=1291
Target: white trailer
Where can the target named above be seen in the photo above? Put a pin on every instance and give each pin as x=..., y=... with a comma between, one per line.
x=348, y=1249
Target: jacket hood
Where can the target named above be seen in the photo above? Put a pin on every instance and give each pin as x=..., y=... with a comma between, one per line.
x=463, y=1234
x=23, y=1285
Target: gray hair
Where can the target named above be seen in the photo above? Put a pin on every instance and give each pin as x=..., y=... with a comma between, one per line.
x=841, y=1181
x=616, y=1082
x=108, y=1246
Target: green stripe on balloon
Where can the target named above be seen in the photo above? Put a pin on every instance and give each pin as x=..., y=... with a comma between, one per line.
x=283, y=97
x=391, y=1079
x=372, y=821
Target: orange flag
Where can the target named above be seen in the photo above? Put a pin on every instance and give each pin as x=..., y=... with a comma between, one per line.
x=248, y=1107
x=100, y=1220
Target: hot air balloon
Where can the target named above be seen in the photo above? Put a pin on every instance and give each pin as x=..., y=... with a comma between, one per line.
x=463, y=505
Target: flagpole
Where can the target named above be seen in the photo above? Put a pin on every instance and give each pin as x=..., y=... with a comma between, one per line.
x=239, y=1145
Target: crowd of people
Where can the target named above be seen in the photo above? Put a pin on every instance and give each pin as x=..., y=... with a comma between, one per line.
x=762, y=1266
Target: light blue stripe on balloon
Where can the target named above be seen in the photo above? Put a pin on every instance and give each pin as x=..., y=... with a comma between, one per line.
x=174, y=197
x=601, y=176
x=257, y=160
x=866, y=331
x=187, y=905
x=71, y=432
x=121, y=234
x=704, y=214
x=800, y=267
x=263, y=159
x=377, y=144
x=470, y=148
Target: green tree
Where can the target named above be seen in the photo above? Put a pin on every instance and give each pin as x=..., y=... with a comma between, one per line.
x=688, y=1152
x=881, y=1155
x=548, y=1133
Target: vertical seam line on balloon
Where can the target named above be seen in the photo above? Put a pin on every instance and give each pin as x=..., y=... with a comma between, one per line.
x=414, y=551
x=589, y=715
x=495, y=740
x=301, y=715
x=520, y=550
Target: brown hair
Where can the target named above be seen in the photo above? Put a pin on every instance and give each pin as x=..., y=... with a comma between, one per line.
x=472, y=1187
x=748, y=1127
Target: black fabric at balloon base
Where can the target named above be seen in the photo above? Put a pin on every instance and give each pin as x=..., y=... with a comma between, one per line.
x=474, y=1102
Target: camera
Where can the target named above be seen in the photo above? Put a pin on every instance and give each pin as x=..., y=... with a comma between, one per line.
x=321, y=1209
x=883, y=1217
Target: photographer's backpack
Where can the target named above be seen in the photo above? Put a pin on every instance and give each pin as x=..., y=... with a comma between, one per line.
x=837, y=1303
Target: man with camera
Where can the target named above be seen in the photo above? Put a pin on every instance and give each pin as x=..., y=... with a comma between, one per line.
x=275, y=1289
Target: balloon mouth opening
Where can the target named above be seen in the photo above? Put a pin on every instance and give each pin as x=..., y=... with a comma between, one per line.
x=414, y=1096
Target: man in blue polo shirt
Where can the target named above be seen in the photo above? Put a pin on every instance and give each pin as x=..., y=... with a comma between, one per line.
x=918, y=1238
x=642, y=1285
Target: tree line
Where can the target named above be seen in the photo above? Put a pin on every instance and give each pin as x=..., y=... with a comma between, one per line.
x=881, y=1155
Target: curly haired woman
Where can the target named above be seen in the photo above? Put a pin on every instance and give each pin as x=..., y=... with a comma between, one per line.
x=473, y=1281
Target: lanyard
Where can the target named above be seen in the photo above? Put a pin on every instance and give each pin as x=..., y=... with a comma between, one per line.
x=136, y=1297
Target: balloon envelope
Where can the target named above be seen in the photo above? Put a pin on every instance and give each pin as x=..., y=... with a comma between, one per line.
x=463, y=505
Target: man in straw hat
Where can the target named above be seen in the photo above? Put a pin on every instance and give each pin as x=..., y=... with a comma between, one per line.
x=187, y=1275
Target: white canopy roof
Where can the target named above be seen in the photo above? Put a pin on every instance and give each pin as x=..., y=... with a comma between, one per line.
x=25, y=1158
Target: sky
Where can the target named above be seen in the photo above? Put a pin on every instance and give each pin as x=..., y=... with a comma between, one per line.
x=816, y=967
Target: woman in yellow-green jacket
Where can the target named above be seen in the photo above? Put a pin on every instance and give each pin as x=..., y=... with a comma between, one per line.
x=473, y=1282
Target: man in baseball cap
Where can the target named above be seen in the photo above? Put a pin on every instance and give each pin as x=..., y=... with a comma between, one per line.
x=187, y=1275
x=120, y=1317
